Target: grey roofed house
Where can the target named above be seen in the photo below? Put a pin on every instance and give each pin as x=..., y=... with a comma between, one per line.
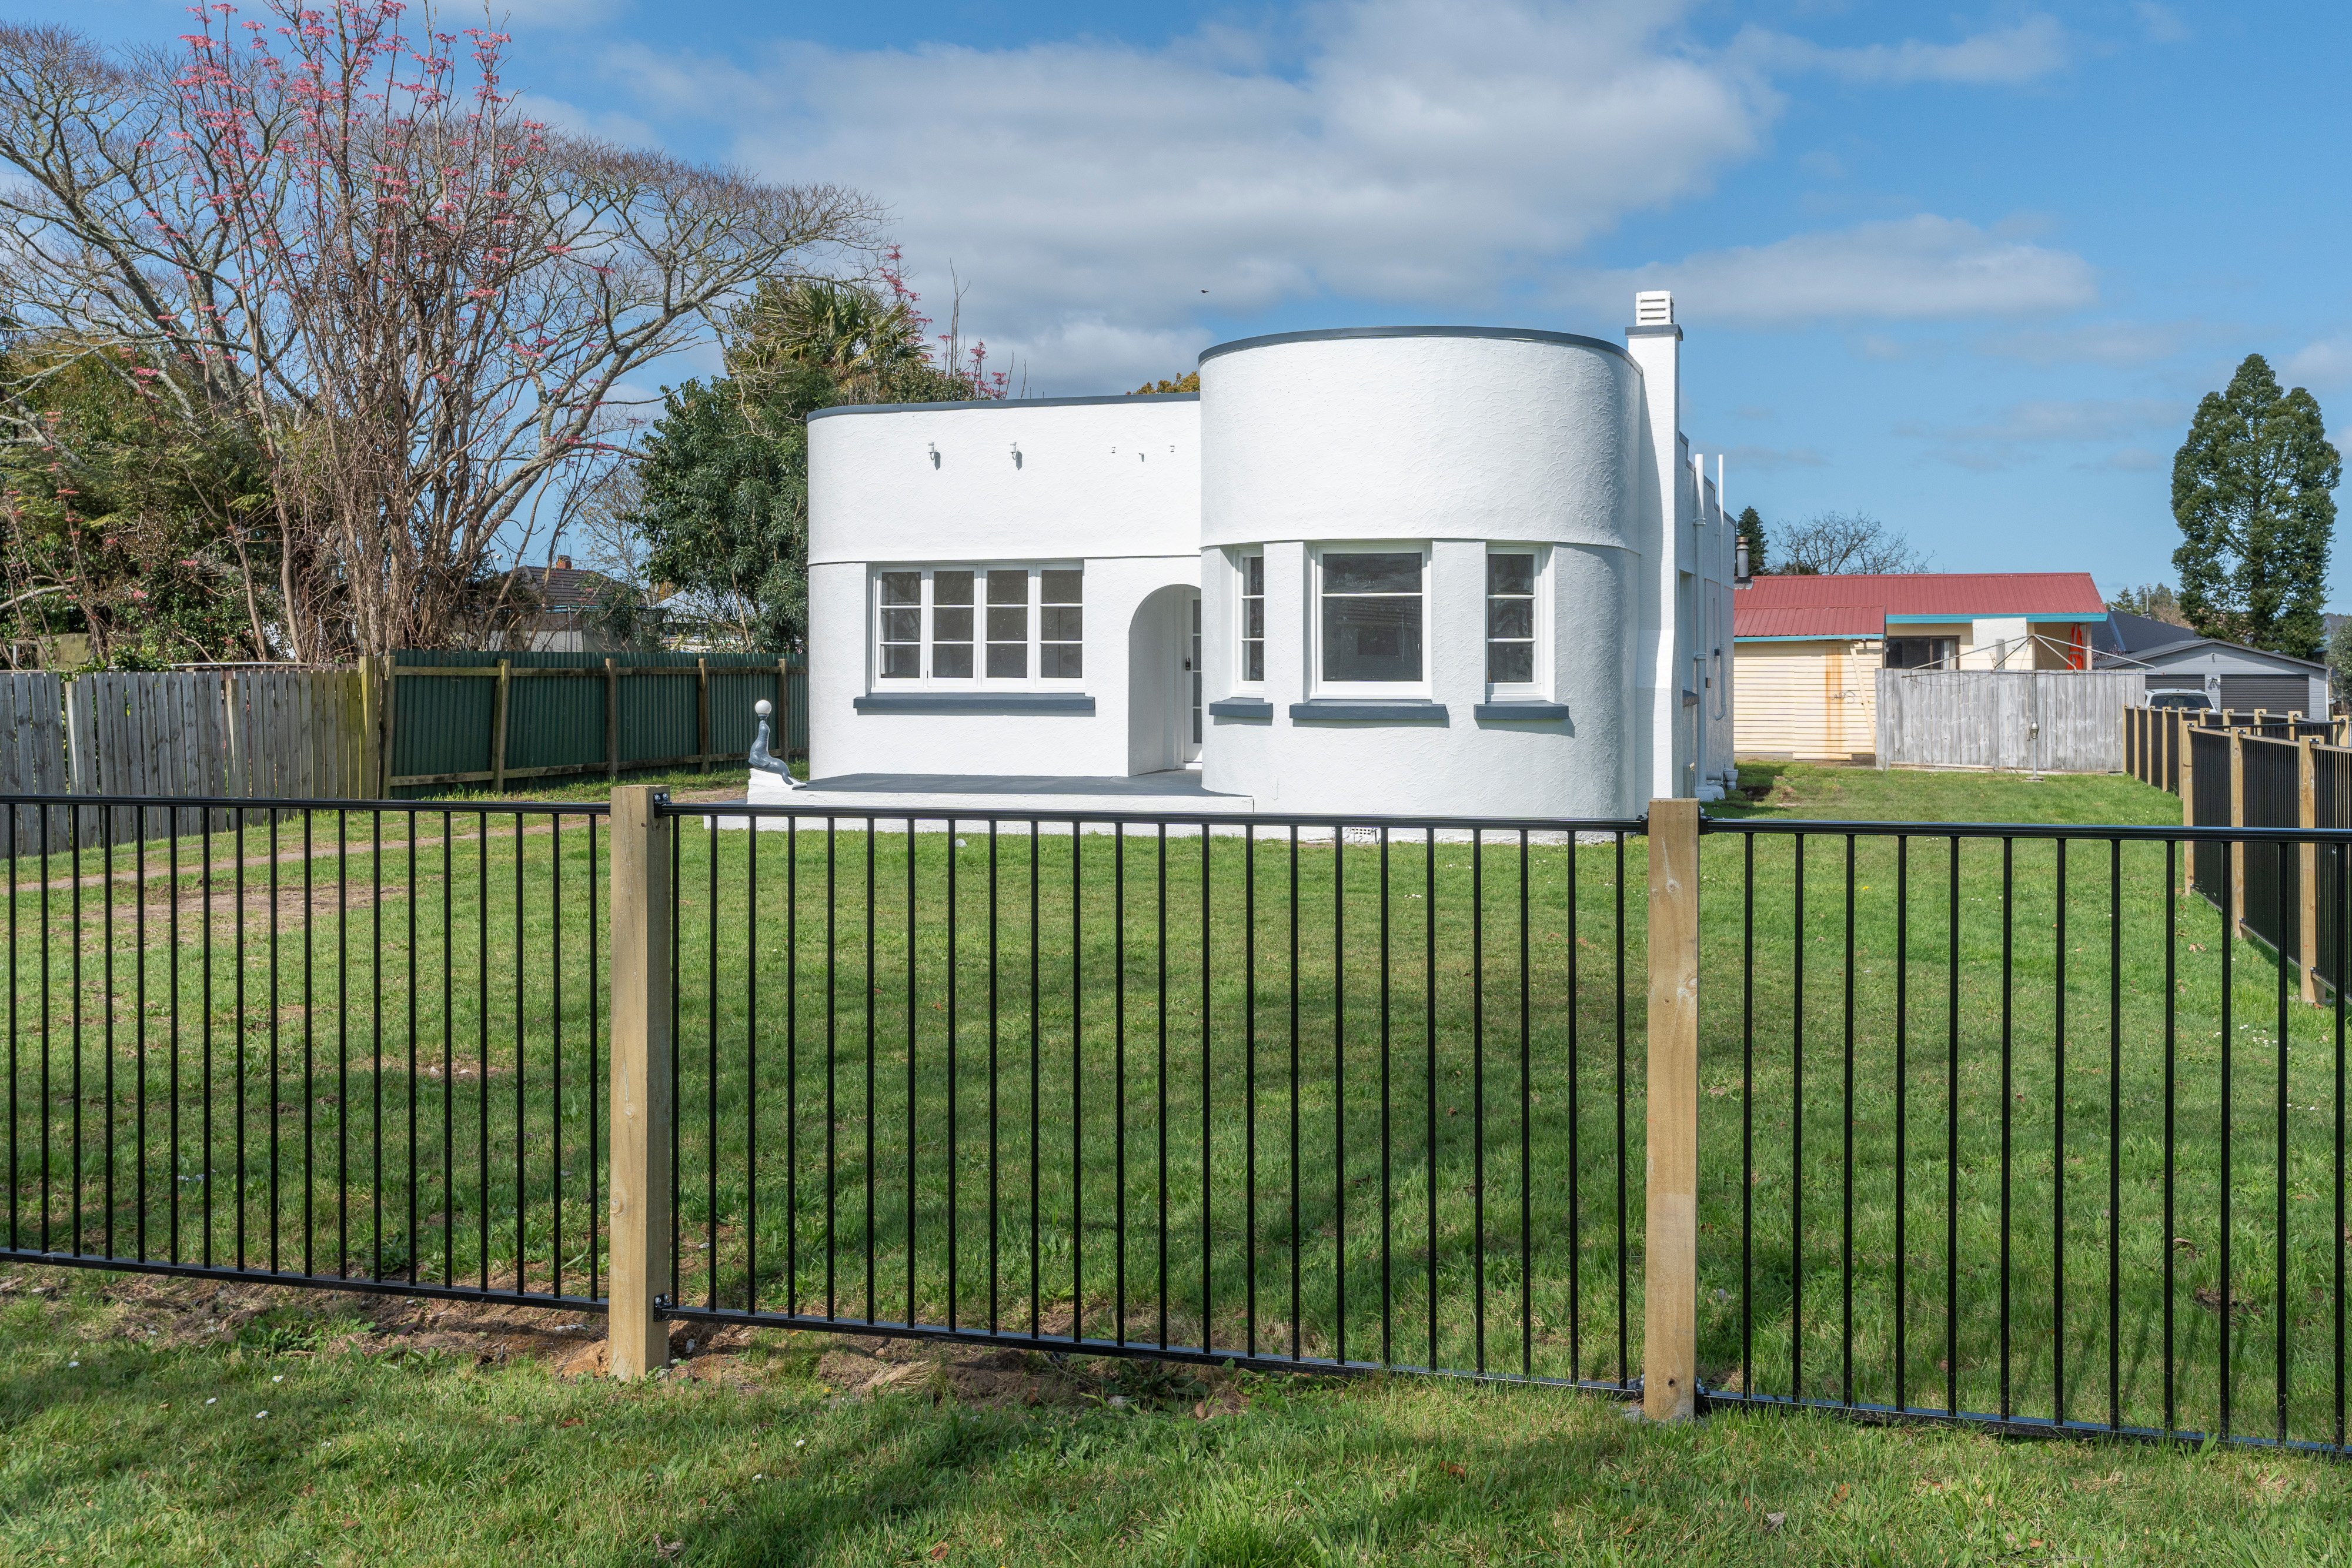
x=2230, y=674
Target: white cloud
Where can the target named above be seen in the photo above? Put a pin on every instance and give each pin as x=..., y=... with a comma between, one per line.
x=2033, y=47
x=1918, y=269
x=1420, y=151
x=607, y=124
x=2071, y=419
x=2122, y=344
x=2325, y=363
x=2161, y=23
x=1393, y=150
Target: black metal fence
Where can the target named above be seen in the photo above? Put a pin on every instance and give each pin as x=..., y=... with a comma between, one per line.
x=329, y=1044
x=1998, y=1129
x=1335, y=1095
x=1994, y=1124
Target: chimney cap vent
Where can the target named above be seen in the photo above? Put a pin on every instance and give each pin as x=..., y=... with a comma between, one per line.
x=1653, y=307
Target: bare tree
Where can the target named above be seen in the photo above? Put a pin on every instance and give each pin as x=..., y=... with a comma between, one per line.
x=415, y=302
x=1832, y=542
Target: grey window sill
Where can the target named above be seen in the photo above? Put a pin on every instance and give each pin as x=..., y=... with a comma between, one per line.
x=1056, y=703
x=1240, y=707
x=1367, y=710
x=1522, y=711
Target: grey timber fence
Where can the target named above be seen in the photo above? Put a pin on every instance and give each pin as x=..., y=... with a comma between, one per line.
x=2045, y=721
x=32, y=753
x=176, y=734
x=491, y=718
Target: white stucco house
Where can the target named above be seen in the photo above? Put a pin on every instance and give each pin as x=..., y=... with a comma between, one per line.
x=1409, y=571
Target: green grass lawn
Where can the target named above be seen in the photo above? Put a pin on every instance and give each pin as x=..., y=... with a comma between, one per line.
x=811, y=1078
x=424, y=1448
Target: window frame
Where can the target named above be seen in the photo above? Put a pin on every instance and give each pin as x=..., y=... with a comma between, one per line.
x=1538, y=689
x=980, y=680
x=1316, y=685
x=1242, y=557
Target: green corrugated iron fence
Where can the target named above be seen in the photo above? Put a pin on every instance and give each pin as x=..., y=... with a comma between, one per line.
x=514, y=716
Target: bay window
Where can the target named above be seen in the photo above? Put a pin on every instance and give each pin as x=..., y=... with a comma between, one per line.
x=1370, y=604
x=1515, y=647
x=1251, y=663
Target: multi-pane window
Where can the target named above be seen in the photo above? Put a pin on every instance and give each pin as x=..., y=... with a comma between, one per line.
x=1061, y=624
x=951, y=625
x=969, y=626
x=1510, y=618
x=899, y=622
x=1252, y=664
x=1372, y=618
x=1008, y=625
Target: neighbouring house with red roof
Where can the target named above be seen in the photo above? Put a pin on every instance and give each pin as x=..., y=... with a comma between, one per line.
x=1807, y=650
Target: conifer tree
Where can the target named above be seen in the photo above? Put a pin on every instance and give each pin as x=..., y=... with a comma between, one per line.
x=2251, y=491
x=1750, y=527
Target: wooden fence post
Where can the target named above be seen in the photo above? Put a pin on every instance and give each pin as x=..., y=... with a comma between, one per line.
x=2187, y=806
x=369, y=785
x=1670, y=1237
x=611, y=718
x=641, y=1089
x=2237, y=889
x=498, y=728
x=702, y=712
x=391, y=723
x=2308, y=884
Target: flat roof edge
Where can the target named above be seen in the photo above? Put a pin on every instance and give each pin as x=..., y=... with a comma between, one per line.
x=1341, y=334
x=1004, y=403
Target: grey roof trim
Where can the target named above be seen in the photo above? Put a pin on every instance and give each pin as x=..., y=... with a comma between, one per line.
x=1367, y=710
x=2142, y=655
x=1341, y=334
x=1520, y=712
x=999, y=402
x=976, y=702
x=1240, y=707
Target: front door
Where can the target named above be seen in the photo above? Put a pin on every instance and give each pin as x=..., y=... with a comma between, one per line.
x=1188, y=689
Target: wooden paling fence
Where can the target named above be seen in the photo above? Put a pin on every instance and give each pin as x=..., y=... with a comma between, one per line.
x=2045, y=721
x=301, y=733
x=33, y=755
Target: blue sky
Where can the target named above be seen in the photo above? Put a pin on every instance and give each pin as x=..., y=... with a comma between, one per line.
x=1967, y=270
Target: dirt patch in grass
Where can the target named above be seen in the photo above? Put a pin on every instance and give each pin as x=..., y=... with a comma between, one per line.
x=279, y=1320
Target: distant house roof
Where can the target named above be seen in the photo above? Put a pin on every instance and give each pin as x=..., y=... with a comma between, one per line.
x=2128, y=633
x=1956, y=595
x=2216, y=652
x=1808, y=621
x=561, y=589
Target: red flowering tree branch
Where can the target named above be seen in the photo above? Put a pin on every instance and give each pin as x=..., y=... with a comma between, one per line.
x=334, y=227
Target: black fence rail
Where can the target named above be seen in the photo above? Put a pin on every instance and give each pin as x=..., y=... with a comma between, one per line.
x=1329, y=1095
x=1998, y=1129
x=1991, y=1123
x=328, y=1044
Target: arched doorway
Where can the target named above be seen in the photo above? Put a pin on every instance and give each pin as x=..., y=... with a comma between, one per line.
x=1164, y=714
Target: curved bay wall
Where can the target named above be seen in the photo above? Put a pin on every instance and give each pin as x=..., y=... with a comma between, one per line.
x=1458, y=439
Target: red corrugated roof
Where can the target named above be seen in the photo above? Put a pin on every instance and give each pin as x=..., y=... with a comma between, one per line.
x=1962, y=595
x=1806, y=621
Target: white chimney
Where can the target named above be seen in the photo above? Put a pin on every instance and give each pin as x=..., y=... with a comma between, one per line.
x=1655, y=308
